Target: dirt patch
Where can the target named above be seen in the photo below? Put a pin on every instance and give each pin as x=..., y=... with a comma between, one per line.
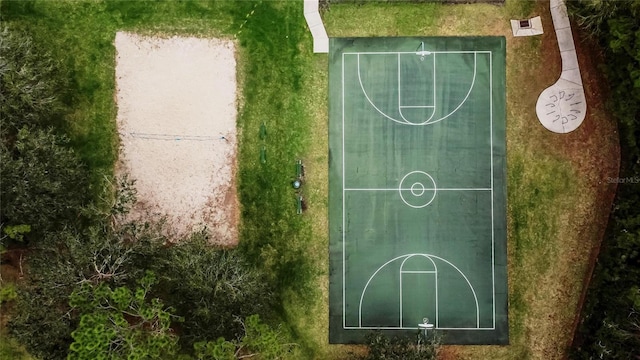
x=177, y=123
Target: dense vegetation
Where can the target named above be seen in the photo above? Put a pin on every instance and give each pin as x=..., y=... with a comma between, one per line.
x=610, y=323
x=96, y=285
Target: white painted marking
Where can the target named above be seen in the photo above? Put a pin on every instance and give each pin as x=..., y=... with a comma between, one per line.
x=411, y=52
x=436, y=283
x=364, y=290
x=396, y=189
x=344, y=215
x=417, y=189
x=435, y=190
x=473, y=82
x=409, y=189
x=428, y=121
x=433, y=95
x=493, y=265
x=409, y=328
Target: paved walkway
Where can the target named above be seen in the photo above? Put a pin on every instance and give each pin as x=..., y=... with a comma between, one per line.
x=314, y=21
x=562, y=107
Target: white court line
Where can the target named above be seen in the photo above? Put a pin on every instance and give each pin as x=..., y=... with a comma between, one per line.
x=409, y=189
x=367, y=285
x=399, y=98
x=411, y=328
x=413, y=52
x=433, y=96
x=429, y=201
x=395, y=189
x=436, y=284
x=473, y=291
x=473, y=82
x=475, y=297
x=418, y=272
x=493, y=265
x=367, y=96
x=428, y=121
x=344, y=220
x=417, y=106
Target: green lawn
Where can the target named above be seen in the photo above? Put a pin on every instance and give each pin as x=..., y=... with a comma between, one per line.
x=284, y=85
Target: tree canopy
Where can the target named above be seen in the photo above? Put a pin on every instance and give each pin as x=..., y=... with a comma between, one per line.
x=609, y=324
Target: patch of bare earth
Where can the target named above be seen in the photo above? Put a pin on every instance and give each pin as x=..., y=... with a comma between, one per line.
x=177, y=123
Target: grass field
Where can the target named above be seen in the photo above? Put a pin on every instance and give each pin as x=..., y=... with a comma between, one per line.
x=557, y=199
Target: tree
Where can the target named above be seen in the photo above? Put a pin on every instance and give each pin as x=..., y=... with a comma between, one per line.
x=120, y=323
x=29, y=83
x=43, y=182
x=609, y=320
x=259, y=341
x=616, y=24
x=65, y=259
x=211, y=288
x=382, y=347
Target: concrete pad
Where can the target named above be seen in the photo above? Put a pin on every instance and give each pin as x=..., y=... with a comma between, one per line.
x=535, y=29
x=562, y=107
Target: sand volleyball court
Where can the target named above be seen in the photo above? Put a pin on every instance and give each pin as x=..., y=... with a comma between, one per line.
x=176, y=118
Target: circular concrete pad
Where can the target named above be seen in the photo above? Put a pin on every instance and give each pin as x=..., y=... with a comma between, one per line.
x=561, y=108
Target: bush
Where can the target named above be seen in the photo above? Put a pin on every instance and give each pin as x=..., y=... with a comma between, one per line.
x=29, y=83
x=212, y=289
x=7, y=293
x=43, y=182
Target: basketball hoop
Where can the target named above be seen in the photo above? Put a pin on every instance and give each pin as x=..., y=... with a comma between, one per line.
x=425, y=324
x=420, y=51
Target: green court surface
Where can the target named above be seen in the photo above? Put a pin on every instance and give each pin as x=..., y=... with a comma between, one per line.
x=417, y=191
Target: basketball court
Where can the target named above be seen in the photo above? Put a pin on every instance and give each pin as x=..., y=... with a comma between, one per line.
x=417, y=188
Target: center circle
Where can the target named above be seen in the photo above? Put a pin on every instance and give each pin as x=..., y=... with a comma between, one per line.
x=417, y=189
